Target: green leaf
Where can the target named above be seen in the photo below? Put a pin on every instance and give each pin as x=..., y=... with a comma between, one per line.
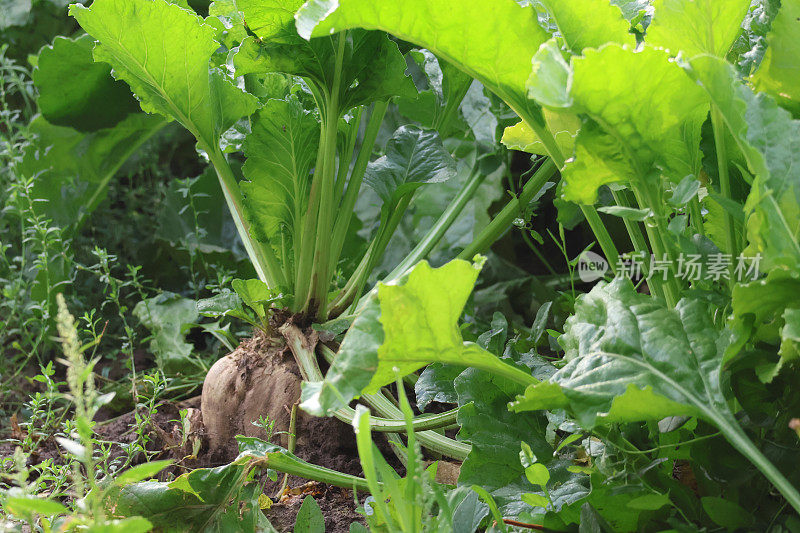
x=280, y=151
x=372, y=68
x=684, y=191
x=696, y=27
x=649, y=502
x=779, y=73
x=435, y=384
x=25, y=506
x=492, y=42
x=630, y=358
x=535, y=500
x=200, y=224
x=537, y=474
x=766, y=310
x=166, y=63
x=627, y=213
x=650, y=126
x=726, y=513
x=496, y=436
x=76, y=91
x=636, y=12
x=413, y=157
x=255, y=294
x=402, y=327
x=760, y=128
x=770, y=141
x=73, y=169
x=563, y=125
x=167, y=316
x=142, y=471
x=309, y=517
x=605, y=25
x=205, y=499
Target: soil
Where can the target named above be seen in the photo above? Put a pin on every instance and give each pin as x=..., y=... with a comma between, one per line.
x=322, y=441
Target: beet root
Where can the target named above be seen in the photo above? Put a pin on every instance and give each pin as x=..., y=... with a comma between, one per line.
x=259, y=378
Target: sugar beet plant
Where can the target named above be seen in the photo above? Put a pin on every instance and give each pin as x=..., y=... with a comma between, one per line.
x=306, y=115
x=665, y=408
x=660, y=107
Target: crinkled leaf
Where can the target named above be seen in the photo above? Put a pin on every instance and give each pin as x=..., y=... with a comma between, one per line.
x=495, y=435
x=205, y=499
x=166, y=63
x=402, y=327
x=435, y=384
x=696, y=27
x=413, y=157
x=280, y=152
x=643, y=127
x=72, y=169
x=76, y=91
x=492, y=42
x=563, y=125
x=631, y=358
x=372, y=67
x=579, y=30
x=779, y=73
x=770, y=140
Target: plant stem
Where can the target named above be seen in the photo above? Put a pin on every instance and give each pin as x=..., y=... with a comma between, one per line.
x=290, y=464
x=435, y=234
x=589, y=212
x=503, y=220
x=347, y=207
x=640, y=245
x=603, y=238
x=355, y=285
x=321, y=269
x=724, y=182
x=262, y=257
x=430, y=439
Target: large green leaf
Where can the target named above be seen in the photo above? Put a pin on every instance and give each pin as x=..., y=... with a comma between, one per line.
x=413, y=157
x=581, y=30
x=76, y=91
x=779, y=73
x=652, y=125
x=697, y=26
x=491, y=41
x=769, y=139
x=631, y=358
x=72, y=169
x=372, y=67
x=219, y=499
x=496, y=436
x=162, y=51
x=280, y=152
x=404, y=326
x=766, y=310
